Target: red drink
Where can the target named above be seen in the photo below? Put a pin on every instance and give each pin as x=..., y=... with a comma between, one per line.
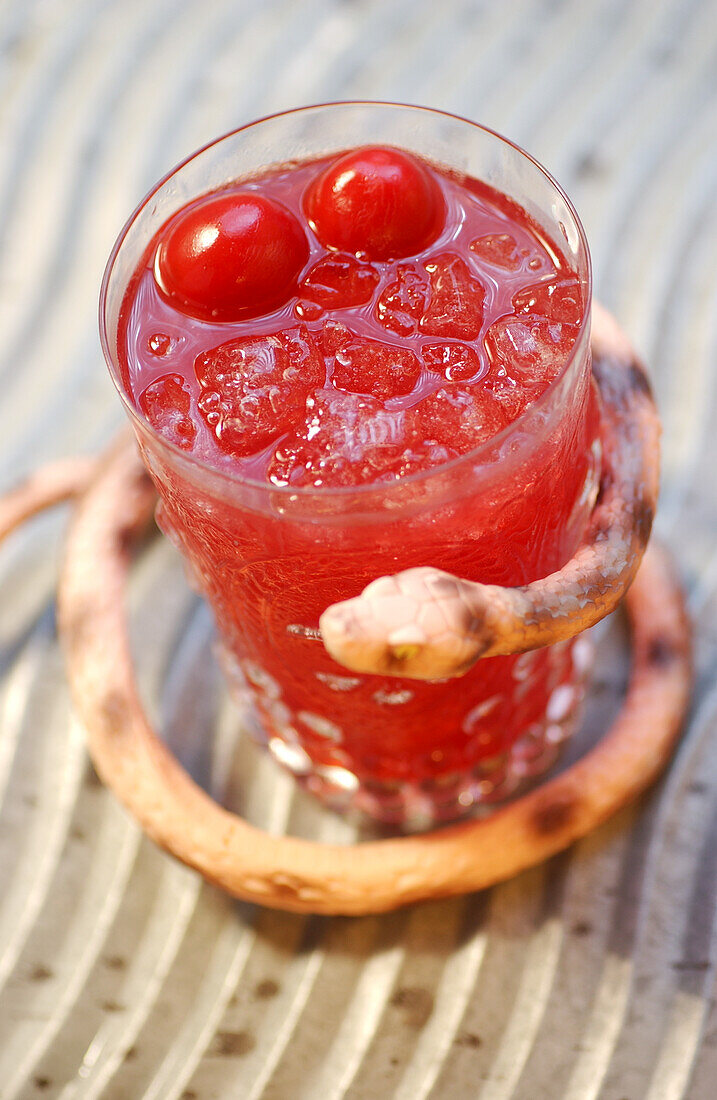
x=402, y=378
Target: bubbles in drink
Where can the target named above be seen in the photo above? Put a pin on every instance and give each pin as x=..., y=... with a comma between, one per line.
x=159, y=343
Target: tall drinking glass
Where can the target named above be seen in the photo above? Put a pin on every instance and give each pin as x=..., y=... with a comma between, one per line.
x=271, y=559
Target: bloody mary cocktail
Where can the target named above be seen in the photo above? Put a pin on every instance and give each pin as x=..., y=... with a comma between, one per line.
x=344, y=358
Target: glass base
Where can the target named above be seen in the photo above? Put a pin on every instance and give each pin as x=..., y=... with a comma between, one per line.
x=417, y=806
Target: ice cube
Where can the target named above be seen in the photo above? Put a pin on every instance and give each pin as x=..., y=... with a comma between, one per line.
x=166, y=403
x=254, y=389
x=455, y=307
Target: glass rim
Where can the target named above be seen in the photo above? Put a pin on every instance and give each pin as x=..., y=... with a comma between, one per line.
x=325, y=493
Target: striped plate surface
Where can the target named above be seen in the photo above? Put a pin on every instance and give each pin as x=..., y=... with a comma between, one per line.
x=122, y=976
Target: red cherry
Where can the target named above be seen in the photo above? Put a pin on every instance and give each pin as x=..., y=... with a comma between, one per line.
x=231, y=255
x=377, y=201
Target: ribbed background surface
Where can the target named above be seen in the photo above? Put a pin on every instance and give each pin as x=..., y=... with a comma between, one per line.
x=121, y=975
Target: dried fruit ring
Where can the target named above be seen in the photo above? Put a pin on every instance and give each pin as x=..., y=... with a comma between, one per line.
x=49, y=485
x=301, y=875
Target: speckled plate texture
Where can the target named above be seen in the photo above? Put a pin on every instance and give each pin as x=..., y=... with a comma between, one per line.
x=123, y=976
